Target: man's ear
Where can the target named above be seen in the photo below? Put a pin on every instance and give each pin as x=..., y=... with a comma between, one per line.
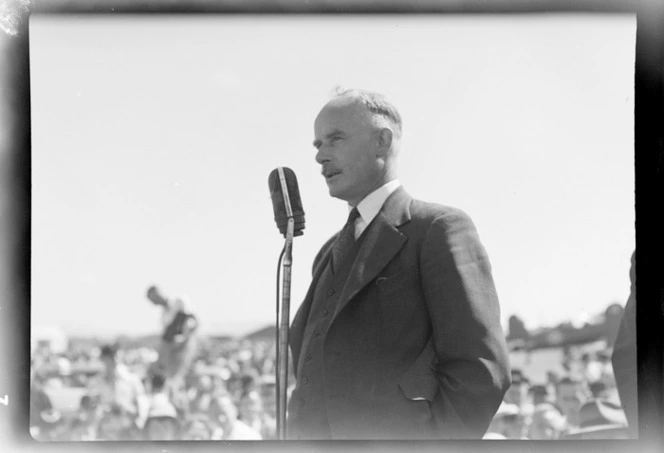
x=385, y=137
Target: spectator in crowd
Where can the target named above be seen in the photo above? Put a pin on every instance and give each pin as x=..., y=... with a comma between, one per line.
x=572, y=393
x=600, y=390
x=541, y=393
x=235, y=386
x=249, y=382
x=225, y=415
x=79, y=430
x=606, y=369
x=268, y=391
x=115, y=423
x=158, y=391
x=252, y=413
x=83, y=426
x=162, y=422
x=547, y=422
x=120, y=388
x=250, y=409
x=198, y=427
x=40, y=406
x=591, y=368
x=201, y=395
x=507, y=422
x=517, y=393
x=179, y=345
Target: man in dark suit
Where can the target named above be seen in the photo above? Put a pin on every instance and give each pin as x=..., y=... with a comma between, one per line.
x=399, y=336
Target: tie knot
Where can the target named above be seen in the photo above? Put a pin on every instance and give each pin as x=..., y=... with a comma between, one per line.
x=353, y=215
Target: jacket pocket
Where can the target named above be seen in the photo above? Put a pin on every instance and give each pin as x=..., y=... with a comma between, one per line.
x=419, y=387
x=402, y=279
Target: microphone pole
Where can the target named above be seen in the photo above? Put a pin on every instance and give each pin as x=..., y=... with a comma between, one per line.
x=282, y=365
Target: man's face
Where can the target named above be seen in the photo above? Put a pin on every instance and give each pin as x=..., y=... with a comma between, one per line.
x=348, y=151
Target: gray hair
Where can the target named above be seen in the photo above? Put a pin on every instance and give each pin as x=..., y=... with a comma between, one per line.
x=375, y=103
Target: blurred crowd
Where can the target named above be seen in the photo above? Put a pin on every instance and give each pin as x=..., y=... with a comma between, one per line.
x=111, y=393
x=581, y=403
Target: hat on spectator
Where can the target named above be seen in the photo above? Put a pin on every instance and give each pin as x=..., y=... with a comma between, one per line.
x=601, y=413
x=603, y=417
x=597, y=387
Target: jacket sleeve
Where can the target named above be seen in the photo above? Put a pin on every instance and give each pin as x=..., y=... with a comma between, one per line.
x=472, y=358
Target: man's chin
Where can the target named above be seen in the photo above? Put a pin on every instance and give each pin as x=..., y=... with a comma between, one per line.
x=337, y=194
x=332, y=189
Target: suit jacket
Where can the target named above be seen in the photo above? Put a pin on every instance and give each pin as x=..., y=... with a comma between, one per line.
x=415, y=349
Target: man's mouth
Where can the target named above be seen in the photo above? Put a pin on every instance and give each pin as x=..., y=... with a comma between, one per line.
x=329, y=174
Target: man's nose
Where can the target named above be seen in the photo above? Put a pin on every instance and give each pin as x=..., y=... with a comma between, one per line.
x=321, y=155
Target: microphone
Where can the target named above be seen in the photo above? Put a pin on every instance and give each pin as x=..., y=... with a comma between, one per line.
x=286, y=200
x=289, y=216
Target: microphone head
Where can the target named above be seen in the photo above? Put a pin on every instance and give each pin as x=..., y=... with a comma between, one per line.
x=282, y=201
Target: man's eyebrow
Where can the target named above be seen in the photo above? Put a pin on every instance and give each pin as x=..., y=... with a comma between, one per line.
x=331, y=134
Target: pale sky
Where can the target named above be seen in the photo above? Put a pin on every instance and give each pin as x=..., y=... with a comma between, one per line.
x=153, y=138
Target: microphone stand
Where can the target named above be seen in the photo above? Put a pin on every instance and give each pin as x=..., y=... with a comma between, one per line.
x=282, y=365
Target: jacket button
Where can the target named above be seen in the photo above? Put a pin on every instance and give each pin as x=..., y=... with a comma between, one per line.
x=305, y=380
x=316, y=334
x=307, y=358
x=330, y=292
x=325, y=312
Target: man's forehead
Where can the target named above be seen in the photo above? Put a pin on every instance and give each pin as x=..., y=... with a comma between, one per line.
x=343, y=104
x=338, y=112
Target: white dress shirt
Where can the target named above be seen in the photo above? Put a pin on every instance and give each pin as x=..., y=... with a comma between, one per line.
x=370, y=206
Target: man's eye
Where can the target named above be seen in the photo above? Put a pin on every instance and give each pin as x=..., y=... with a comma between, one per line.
x=335, y=139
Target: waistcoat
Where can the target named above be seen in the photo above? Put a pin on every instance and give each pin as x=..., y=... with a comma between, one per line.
x=308, y=418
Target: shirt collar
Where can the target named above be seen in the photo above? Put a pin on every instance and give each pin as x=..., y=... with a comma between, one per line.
x=370, y=206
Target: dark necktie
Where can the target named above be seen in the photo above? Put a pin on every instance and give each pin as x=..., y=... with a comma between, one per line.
x=345, y=241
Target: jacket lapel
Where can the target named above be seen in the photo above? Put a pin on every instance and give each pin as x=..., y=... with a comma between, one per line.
x=382, y=243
